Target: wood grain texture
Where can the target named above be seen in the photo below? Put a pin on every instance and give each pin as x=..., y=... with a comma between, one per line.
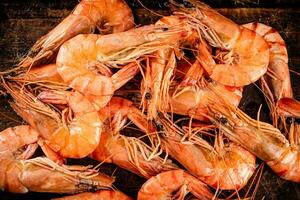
x=23, y=22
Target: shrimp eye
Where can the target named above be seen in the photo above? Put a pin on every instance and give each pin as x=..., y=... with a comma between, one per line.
x=289, y=120
x=187, y=4
x=160, y=127
x=7, y=96
x=223, y=120
x=93, y=189
x=148, y=96
x=132, y=97
x=165, y=29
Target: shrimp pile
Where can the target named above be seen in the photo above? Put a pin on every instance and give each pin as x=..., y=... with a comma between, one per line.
x=133, y=97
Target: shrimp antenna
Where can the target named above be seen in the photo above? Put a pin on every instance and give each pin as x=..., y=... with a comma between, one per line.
x=153, y=12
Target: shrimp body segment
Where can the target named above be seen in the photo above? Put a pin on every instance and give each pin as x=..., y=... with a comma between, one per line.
x=99, y=195
x=242, y=56
x=109, y=16
x=163, y=185
x=83, y=131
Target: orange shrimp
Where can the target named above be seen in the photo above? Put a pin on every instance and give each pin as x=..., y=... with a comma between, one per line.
x=242, y=56
x=73, y=134
x=79, y=54
x=19, y=175
x=128, y=152
x=277, y=84
x=99, y=195
x=193, y=100
x=108, y=16
x=224, y=166
x=261, y=139
x=158, y=66
x=164, y=185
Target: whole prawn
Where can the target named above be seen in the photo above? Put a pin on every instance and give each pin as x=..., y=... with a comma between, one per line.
x=19, y=175
x=226, y=167
x=242, y=56
x=67, y=133
x=276, y=84
x=261, y=139
x=164, y=185
x=108, y=16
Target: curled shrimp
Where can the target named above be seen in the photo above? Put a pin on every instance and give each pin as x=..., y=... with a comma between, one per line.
x=129, y=152
x=78, y=55
x=163, y=185
x=73, y=134
x=109, y=16
x=276, y=84
x=242, y=56
x=261, y=139
x=225, y=166
x=101, y=194
x=19, y=175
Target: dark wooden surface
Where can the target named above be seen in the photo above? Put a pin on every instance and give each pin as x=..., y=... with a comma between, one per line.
x=23, y=22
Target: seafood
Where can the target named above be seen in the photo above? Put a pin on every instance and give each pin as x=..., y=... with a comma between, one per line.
x=99, y=195
x=129, y=152
x=77, y=56
x=19, y=175
x=165, y=184
x=261, y=139
x=108, y=16
x=158, y=66
x=276, y=84
x=225, y=166
x=74, y=134
x=242, y=56
x=191, y=98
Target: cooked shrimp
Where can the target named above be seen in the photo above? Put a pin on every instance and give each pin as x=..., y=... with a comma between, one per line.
x=161, y=66
x=39, y=73
x=164, y=185
x=43, y=175
x=108, y=16
x=224, y=166
x=39, y=174
x=276, y=84
x=193, y=100
x=79, y=54
x=129, y=152
x=74, y=134
x=99, y=195
x=262, y=139
x=242, y=56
